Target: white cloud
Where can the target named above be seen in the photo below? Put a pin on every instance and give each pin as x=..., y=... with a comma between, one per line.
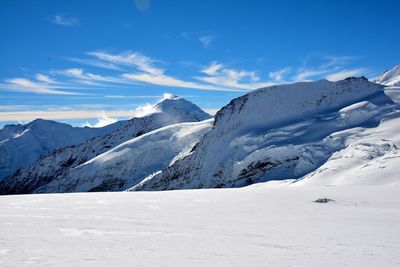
x=213, y=69
x=146, y=72
x=65, y=21
x=219, y=75
x=143, y=110
x=60, y=114
x=211, y=111
x=168, y=96
x=14, y=107
x=134, y=68
x=278, y=75
x=133, y=59
x=206, y=40
x=332, y=67
x=25, y=85
x=96, y=63
x=343, y=74
x=304, y=75
x=87, y=77
x=104, y=120
x=142, y=5
x=164, y=80
x=132, y=96
x=334, y=60
x=44, y=78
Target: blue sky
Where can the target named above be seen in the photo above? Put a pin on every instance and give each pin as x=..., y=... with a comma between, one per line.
x=97, y=61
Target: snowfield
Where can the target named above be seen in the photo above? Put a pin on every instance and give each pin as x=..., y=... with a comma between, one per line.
x=261, y=225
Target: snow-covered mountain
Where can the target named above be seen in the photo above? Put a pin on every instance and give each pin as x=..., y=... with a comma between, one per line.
x=129, y=163
x=22, y=145
x=390, y=77
x=287, y=132
x=59, y=162
x=371, y=156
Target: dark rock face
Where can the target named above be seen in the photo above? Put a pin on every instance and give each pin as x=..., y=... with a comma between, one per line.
x=324, y=200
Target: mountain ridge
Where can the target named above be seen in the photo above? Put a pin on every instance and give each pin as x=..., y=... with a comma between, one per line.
x=61, y=160
x=289, y=134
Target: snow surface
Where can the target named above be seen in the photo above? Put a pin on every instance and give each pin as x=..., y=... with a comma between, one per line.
x=261, y=225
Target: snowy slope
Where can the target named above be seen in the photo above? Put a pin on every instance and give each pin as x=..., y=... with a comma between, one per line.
x=22, y=145
x=371, y=156
x=279, y=132
x=390, y=77
x=59, y=162
x=255, y=226
x=129, y=163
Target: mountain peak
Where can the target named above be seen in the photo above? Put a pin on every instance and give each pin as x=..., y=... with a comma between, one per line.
x=169, y=96
x=175, y=105
x=390, y=77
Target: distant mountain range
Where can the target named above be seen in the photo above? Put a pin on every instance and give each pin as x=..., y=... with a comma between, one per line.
x=322, y=132
x=22, y=145
x=62, y=160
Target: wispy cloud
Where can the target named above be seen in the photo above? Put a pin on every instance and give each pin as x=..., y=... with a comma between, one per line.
x=61, y=114
x=133, y=96
x=96, y=63
x=279, y=75
x=148, y=72
x=331, y=67
x=219, y=75
x=335, y=61
x=26, y=85
x=104, y=120
x=86, y=77
x=206, y=40
x=168, y=81
x=104, y=114
x=304, y=75
x=129, y=58
x=133, y=68
x=142, y=5
x=63, y=20
x=44, y=78
x=340, y=75
x=213, y=69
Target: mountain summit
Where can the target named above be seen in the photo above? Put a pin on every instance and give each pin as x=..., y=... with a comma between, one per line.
x=176, y=107
x=390, y=77
x=169, y=111
x=21, y=145
x=284, y=132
